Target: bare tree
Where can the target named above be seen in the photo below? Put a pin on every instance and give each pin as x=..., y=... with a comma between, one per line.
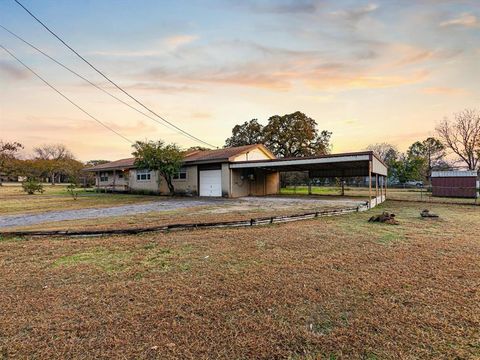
x=462, y=136
x=53, y=152
x=385, y=151
x=53, y=158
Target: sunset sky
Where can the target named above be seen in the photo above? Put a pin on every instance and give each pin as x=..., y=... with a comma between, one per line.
x=367, y=71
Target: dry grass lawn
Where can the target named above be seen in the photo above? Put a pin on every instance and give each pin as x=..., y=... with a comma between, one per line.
x=14, y=201
x=327, y=288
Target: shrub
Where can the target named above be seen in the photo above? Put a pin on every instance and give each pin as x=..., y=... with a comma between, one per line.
x=71, y=189
x=31, y=186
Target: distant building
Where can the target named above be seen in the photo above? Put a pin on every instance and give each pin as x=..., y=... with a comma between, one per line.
x=463, y=184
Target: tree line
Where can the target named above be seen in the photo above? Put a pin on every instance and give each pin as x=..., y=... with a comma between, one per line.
x=52, y=162
x=290, y=135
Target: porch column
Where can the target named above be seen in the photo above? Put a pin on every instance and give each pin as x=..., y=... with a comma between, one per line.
x=97, y=180
x=114, y=178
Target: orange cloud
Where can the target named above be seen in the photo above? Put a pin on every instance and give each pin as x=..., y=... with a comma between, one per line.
x=443, y=90
x=465, y=20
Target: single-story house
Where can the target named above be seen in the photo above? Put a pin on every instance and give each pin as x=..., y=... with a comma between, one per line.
x=250, y=170
x=455, y=183
x=204, y=173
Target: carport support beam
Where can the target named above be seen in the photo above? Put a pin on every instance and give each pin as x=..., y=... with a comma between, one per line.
x=376, y=189
x=369, y=184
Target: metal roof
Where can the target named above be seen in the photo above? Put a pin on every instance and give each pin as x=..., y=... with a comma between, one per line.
x=455, y=173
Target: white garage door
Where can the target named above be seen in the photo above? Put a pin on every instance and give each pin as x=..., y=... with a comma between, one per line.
x=211, y=183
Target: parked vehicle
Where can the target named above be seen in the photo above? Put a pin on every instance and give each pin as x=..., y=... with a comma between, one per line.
x=415, y=183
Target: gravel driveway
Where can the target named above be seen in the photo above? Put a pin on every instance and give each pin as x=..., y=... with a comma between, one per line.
x=32, y=219
x=219, y=206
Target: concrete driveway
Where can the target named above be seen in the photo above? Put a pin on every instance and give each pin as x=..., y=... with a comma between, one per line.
x=215, y=205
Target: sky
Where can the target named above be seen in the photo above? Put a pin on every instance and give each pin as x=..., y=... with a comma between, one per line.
x=368, y=71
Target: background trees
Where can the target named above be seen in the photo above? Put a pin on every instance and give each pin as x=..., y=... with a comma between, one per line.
x=289, y=135
x=432, y=153
x=462, y=136
x=250, y=132
x=8, y=157
x=158, y=156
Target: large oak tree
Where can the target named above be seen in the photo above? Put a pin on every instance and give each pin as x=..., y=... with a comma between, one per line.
x=289, y=135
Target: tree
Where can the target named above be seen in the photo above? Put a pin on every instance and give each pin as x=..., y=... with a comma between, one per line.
x=196, y=148
x=91, y=163
x=388, y=153
x=158, y=156
x=294, y=135
x=54, y=158
x=250, y=132
x=462, y=136
x=8, y=157
x=432, y=151
x=406, y=168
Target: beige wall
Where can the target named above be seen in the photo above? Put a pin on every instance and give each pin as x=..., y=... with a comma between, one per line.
x=264, y=183
x=254, y=154
x=181, y=185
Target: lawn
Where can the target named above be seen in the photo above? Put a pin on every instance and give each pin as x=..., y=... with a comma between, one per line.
x=328, y=288
x=14, y=201
x=412, y=194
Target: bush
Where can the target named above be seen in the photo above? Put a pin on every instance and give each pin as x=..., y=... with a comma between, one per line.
x=32, y=186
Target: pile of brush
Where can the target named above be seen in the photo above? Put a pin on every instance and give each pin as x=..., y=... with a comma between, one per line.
x=427, y=214
x=385, y=217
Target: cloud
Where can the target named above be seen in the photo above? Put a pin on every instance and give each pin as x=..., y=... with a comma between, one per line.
x=466, y=20
x=355, y=14
x=13, y=72
x=176, y=41
x=157, y=48
x=283, y=6
x=444, y=90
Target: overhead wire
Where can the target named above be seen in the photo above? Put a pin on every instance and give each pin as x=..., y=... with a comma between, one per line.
x=64, y=96
x=111, y=81
x=79, y=75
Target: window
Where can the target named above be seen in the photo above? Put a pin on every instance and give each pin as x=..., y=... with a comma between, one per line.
x=181, y=174
x=143, y=175
x=120, y=175
x=103, y=176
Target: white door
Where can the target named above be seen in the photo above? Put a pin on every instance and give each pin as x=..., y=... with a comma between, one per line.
x=210, y=182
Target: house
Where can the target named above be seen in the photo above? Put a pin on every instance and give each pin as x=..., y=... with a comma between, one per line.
x=250, y=170
x=204, y=173
x=455, y=184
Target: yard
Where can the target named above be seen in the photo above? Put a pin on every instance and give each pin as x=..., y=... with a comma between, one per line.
x=330, y=288
x=14, y=201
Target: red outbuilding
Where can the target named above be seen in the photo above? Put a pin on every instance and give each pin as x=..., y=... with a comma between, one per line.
x=455, y=184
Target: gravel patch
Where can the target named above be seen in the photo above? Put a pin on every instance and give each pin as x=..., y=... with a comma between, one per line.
x=32, y=219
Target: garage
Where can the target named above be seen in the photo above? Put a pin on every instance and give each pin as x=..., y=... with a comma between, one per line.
x=210, y=183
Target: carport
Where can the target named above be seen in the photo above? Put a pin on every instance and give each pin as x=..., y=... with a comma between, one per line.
x=358, y=164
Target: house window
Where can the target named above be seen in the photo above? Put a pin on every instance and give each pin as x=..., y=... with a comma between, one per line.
x=103, y=176
x=181, y=174
x=120, y=175
x=143, y=175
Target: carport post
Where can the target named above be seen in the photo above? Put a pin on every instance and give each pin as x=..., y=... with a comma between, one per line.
x=376, y=189
x=370, y=184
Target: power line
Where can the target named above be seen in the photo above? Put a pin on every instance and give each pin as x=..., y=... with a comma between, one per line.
x=80, y=76
x=111, y=81
x=64, y=96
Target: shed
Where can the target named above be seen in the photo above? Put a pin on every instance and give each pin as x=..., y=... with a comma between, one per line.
x=455, y=184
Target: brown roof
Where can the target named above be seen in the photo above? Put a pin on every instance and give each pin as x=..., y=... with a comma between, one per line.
x=117, y=164
x=222, y=154
x=190, y=157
